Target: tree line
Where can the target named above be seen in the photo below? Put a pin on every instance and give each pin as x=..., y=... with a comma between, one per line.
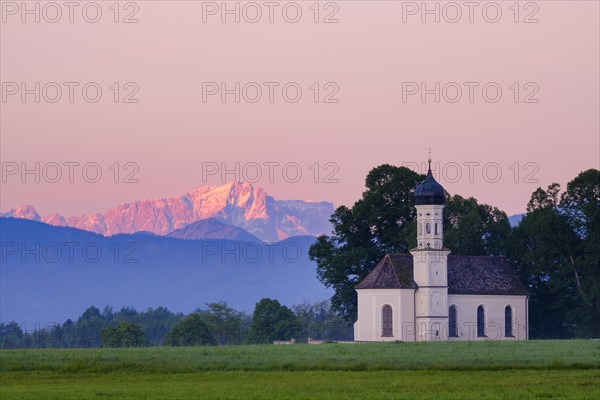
x=555, y=249
x=216, y=324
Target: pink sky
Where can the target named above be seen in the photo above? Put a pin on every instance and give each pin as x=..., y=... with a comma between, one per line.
x=369, y=53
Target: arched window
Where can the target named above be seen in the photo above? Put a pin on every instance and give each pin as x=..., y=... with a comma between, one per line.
x=452, y=323
x=480, y=322
x=387, y=321
x=436, y=232
x=420, y=228
x=508, y=322
x=428, y=228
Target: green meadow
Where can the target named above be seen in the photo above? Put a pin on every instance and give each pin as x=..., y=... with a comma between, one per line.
x=458, y=370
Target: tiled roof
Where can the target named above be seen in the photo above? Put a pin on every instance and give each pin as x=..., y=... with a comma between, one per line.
x=466, y=275
x=394, y=271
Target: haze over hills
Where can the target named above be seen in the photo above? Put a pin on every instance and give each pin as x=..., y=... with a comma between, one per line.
x=239, y=204
x=212, y=228
x=49, y=273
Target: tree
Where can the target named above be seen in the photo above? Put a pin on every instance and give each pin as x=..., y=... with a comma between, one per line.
x=156, y=323
x=126, y=334
x=474, y=229
x=191, y=331
x=556, y=251
x=69, y=335
x=89, y=326
x=540, y=249
x=223, y=321
x=318, y=321
x=383, y=221
x=544, y=199
x=125, y=314
x=581, y=205
x=272, y=321
x=11, y=336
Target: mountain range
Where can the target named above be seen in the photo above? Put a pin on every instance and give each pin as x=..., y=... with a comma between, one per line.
x=49, y=273
x=239, y=204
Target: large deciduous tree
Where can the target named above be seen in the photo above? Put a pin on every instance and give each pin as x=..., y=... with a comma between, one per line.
x=556, y=249
x=272, y=321
x=581, y=203
x=474, y=229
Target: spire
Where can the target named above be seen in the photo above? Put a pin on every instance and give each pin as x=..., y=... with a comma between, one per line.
x=429, y=161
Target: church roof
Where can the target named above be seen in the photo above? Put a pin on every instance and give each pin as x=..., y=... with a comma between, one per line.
x=394, y=271
x=485, y=275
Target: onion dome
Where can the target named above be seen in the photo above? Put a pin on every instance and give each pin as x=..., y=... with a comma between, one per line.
x=429, y=191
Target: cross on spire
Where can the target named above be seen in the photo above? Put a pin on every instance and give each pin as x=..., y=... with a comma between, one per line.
x=429, y=158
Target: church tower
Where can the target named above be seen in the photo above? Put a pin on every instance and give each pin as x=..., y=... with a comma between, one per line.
x=430, y=262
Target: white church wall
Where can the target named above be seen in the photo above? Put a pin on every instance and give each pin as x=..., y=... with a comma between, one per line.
x=368, y=327
x=494, y=306
x=430, y=268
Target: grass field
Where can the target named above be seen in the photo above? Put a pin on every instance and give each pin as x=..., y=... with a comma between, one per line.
x=465, y=370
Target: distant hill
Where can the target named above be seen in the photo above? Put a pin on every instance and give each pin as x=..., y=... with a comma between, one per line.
x=239, y=204
x=49, y=273
x=515, y=220
x=212, y=228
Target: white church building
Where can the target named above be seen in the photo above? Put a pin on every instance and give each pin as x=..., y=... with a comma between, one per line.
x=432, y=295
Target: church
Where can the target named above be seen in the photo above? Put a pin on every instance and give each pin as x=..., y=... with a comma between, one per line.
x=432, y=295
